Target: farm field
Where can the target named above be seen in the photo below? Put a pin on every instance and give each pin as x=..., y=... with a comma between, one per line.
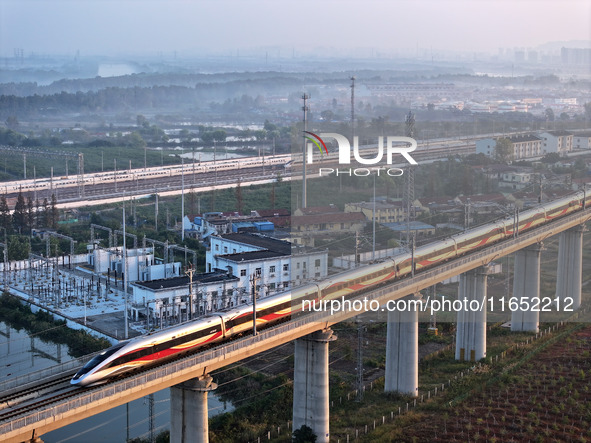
x=548, y=398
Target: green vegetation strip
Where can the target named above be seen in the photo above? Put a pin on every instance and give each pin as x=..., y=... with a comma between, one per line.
x=43, y=325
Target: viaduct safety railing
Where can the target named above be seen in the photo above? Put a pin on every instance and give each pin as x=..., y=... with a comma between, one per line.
x=293, y=329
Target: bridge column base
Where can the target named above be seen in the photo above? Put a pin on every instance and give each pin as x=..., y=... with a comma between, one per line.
x=471, y=323
x=526, y=286
x=570, y=266
x=188, y=410
x=402, y=349
x=310, y=383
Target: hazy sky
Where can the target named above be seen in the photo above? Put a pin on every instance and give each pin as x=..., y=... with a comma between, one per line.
x=225, y=26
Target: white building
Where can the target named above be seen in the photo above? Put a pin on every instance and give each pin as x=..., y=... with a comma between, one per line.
x=556, y=141
x=166, y=301
x=140, y=264
x=277, y=264
x=515, y=180
x=582, y=140
x=486, y=146
x=524, y=146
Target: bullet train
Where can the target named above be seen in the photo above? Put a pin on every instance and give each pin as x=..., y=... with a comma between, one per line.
x=143, y=174
x=155, y=348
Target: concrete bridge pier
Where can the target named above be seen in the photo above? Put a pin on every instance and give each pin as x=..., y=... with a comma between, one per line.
x=402, y=348
x=188, y=410
x=471, y=321
x=526, y=286
x=570, y=267
x=310, y=383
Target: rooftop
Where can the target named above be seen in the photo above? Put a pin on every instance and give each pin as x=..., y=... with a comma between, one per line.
x=253, y=255
x=378, y=205
x=272, y=212
x=260, y=241
x=177, y=282
x=315, y=210
x=524, y=138
x=414, y=226
x=559, y=133
x=339, y=217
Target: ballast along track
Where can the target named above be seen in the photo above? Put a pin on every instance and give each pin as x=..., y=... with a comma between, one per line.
x=12, y=399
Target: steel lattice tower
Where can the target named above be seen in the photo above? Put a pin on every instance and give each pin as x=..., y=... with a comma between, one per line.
x=409, y=186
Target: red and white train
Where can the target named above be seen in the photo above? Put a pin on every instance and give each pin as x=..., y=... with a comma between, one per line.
x=226, y=324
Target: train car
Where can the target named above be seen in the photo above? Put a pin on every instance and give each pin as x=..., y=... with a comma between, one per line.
x=424, y=257
x=564, y=206
x=149, y=350
x=479, y=237
x=344, y=283
x=270, y=311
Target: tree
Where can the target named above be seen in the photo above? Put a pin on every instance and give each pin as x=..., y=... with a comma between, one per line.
x=551, y=157
x=504, y=150
x=549, y=114
x=219, y=135
x=5, y=217
x=327, y=115
x=260, y=134
x=53, y=213
x=30, y=213
x=19, y=216
x=44, y=218
x=142, y=121
x=134, y=140
x=12, y=122
x=239, y=200
x=272, y=196
x=304, y=434
x=269, y=126
x=18, y=248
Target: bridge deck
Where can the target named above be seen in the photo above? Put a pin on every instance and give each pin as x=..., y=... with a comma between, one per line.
x=94, y=400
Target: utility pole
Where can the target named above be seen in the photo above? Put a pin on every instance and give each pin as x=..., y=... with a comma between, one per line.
x=467, y=213
x=152, y=437
x=190, y=271
x=352, y=124
x=373, y=243
x=359, y=360
x=156, y=211
x=305, y=108
x=125, y=277
x=182, y=199
x=80, y=175
x=357, y=257
x=253, y=284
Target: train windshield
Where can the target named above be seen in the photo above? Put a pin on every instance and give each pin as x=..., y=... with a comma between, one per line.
x=98, y=359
